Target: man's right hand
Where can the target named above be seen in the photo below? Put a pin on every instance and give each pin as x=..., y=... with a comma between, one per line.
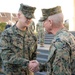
x=33, y=66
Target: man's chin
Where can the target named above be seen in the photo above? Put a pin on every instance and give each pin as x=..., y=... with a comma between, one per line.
x=26, y=26
x=49, y=32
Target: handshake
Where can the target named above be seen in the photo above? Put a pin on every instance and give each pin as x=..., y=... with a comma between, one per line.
x=33, y=65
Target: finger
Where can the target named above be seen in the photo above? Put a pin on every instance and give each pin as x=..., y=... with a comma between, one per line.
x=33, y=61
x=35, y=70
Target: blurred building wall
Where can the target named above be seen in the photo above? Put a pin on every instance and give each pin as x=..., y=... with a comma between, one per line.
x=74, y=15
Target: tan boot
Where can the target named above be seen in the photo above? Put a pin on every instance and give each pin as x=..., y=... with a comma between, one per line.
x=42, y=45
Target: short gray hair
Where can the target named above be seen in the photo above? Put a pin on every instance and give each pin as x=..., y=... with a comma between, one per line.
x=57, y=19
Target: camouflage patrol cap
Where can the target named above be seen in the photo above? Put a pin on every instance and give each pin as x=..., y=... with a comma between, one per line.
x=28, y=11
x=51, y=11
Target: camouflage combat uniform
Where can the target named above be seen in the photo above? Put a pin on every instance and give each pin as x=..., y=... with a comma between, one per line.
x=61, y=59
x=32, y=26
x=41, y=33
x=18, y=47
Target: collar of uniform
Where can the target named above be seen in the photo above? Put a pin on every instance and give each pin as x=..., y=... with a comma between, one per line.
x=18, y=31
x=60, y=31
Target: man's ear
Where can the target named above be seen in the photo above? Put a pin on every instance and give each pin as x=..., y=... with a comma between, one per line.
x=18, y=15
x=50, y=21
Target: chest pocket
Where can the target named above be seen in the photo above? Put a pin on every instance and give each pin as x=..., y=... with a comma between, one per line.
x=16, y=43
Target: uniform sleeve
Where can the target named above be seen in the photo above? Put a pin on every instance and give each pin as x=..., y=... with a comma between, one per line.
x=33, y=57
x=43, y=67
x=47, y=66
x=7, y=55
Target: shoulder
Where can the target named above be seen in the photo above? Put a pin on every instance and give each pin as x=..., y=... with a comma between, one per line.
x=62, y=39
x=7, y=31
x=63, y=35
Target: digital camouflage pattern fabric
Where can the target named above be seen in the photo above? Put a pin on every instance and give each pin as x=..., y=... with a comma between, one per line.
x=32, y=26
x=18, y=47
x=27, y=10
x=41, y=33
x=61, y=59
x=51, y=11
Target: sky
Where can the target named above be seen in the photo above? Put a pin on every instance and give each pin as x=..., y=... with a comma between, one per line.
x=12, y=6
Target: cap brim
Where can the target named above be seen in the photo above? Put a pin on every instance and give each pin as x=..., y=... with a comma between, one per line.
x=30, y=17
x=42, y=19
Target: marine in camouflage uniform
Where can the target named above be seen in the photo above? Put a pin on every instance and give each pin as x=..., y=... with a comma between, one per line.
x=18, y=47
x=32, y=26
x=61, y=58
x=1, y=69
x=41, y=33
